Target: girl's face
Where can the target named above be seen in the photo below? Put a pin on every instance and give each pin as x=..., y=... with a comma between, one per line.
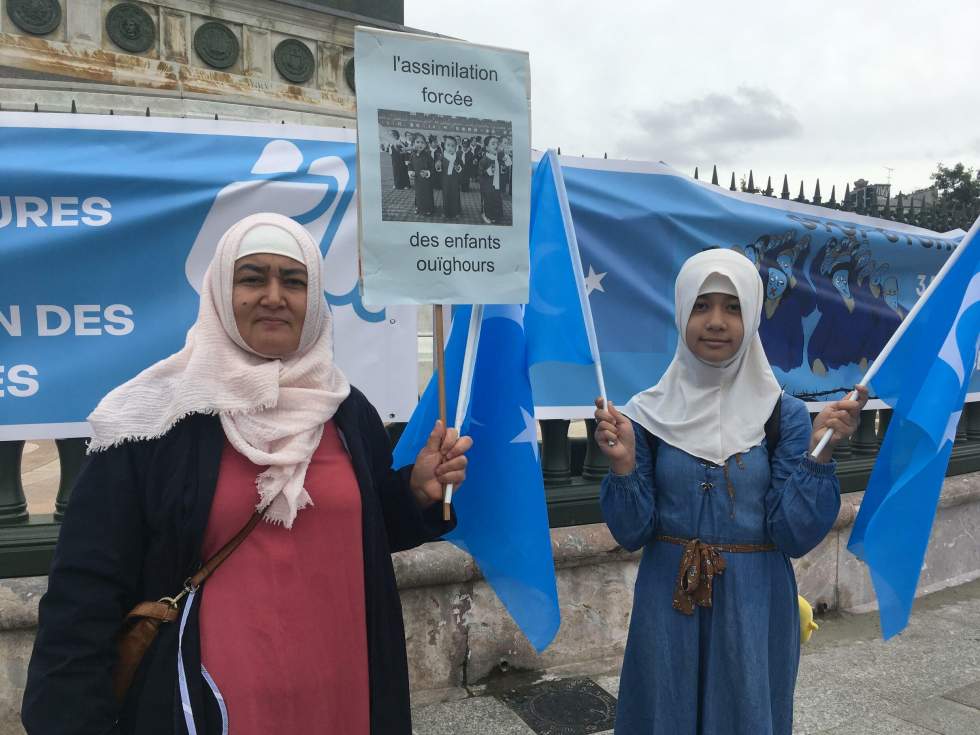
x=450, y=147
x=419, y=144
x=714, y=329
x=492, y=146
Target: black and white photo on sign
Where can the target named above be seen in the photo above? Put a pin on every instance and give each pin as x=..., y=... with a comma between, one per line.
x=445, y=169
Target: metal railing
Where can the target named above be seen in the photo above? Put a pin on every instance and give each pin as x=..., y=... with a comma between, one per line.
x=573, y=468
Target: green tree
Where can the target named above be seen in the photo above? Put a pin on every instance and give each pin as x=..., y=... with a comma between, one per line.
x=957, y=184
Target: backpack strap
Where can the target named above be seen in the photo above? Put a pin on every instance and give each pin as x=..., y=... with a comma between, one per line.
x=772, y=426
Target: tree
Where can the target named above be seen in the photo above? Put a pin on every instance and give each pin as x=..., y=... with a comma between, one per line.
x=957, y=184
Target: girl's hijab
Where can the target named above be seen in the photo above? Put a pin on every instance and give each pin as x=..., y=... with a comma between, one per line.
x=272, y=410
x=712, y=411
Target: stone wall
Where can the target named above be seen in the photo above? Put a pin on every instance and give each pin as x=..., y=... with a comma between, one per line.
x=458, y=634
x=239, y=59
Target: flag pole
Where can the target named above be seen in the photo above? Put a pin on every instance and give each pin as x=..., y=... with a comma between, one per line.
x=439, y=354
x=897, y=334
x=465, y=385
x=572, y=240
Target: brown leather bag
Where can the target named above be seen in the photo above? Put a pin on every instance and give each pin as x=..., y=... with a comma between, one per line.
x=142, y=623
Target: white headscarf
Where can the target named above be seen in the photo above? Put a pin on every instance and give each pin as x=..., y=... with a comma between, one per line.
x=272, y=410
x=712, y=411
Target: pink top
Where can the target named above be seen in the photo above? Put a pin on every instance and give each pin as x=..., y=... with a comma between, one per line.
x=283, y=633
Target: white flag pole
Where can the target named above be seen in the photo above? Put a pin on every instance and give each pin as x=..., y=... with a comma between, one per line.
x=465, y=386
x=897, y=335
x=572, y=240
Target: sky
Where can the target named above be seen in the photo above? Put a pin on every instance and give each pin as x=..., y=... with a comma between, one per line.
x=826, y=91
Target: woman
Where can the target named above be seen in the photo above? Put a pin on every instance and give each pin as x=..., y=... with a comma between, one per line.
x=714, y=641
x=300, y=630
x=421, y=166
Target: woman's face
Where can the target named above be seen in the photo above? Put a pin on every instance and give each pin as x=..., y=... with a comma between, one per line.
x=419, y=144
x=492, y=146
x=269, y=295
x=714, y=329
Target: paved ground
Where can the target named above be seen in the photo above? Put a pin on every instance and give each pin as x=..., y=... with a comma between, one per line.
x=924, y=682
x=399, y=204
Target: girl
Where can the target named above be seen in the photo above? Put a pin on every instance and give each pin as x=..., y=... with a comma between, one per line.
x=491, y=176
x=398, y=169
x=714, y=638
x=452, y=175
x=422, y=165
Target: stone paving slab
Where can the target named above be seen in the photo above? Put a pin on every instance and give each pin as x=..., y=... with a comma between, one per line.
x=968, y=695
x=942, y=715
x=925, y=681
x=881, y=724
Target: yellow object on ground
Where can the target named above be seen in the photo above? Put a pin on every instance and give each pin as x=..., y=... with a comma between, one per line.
x=807, y=626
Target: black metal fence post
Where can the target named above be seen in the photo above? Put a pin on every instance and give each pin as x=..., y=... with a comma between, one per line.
x=13, y=504
x=556, y=456
x=71, y=454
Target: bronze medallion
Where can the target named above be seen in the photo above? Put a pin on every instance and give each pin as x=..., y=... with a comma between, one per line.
x=349, y=73
x=37, y=17
x=216, y=45
x=130, y=28
x=294, y=60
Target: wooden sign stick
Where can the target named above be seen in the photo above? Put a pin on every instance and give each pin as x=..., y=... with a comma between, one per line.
x=439, y=352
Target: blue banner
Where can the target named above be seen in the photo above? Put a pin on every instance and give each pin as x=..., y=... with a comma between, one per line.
x=107, y=225
x=837, y=283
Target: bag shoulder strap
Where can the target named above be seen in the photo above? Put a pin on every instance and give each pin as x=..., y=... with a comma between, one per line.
x=772, y=426
x=209, y=567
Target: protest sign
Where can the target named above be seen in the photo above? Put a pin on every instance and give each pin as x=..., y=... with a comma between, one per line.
x=444, y=170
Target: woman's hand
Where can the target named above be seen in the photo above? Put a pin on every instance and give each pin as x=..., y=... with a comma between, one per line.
x=442, y=461
x=842, y=417
x=614, y=435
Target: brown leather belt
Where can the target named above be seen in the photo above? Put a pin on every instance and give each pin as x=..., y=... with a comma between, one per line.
x=700, y=562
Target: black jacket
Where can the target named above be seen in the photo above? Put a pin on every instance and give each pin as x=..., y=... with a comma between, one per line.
x=133, y=532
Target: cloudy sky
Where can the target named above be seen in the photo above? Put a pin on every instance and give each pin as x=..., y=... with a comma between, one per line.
x=814, y=90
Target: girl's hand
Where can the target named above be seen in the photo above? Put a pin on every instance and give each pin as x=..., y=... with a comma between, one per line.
x=614, y=435
x=441, y=462
x=842, y=417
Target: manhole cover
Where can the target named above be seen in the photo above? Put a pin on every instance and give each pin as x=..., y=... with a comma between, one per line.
x=565, y=707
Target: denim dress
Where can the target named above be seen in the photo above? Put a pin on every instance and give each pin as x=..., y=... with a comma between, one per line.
x=727, y=669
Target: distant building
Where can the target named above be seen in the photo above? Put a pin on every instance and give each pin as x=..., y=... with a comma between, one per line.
x=867, y=196
x=919, y=198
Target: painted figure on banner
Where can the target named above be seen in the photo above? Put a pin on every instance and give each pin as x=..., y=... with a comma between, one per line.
x=452, y=176
x=887, y=311
x=492, y=171
x=843, y=329
x=398, y=168
x=789, y=299
x=422, y=167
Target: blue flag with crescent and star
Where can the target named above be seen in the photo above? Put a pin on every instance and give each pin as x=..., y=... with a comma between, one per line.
x=502, y=517
x=891, y=532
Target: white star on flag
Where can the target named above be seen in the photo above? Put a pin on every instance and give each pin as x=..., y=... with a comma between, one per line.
x=593, y=281
x=530, y=433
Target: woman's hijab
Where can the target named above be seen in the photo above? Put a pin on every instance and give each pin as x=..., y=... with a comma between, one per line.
x=272, y=410
x=712, y=411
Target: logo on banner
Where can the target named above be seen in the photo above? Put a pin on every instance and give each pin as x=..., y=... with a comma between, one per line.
x=318, y=195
